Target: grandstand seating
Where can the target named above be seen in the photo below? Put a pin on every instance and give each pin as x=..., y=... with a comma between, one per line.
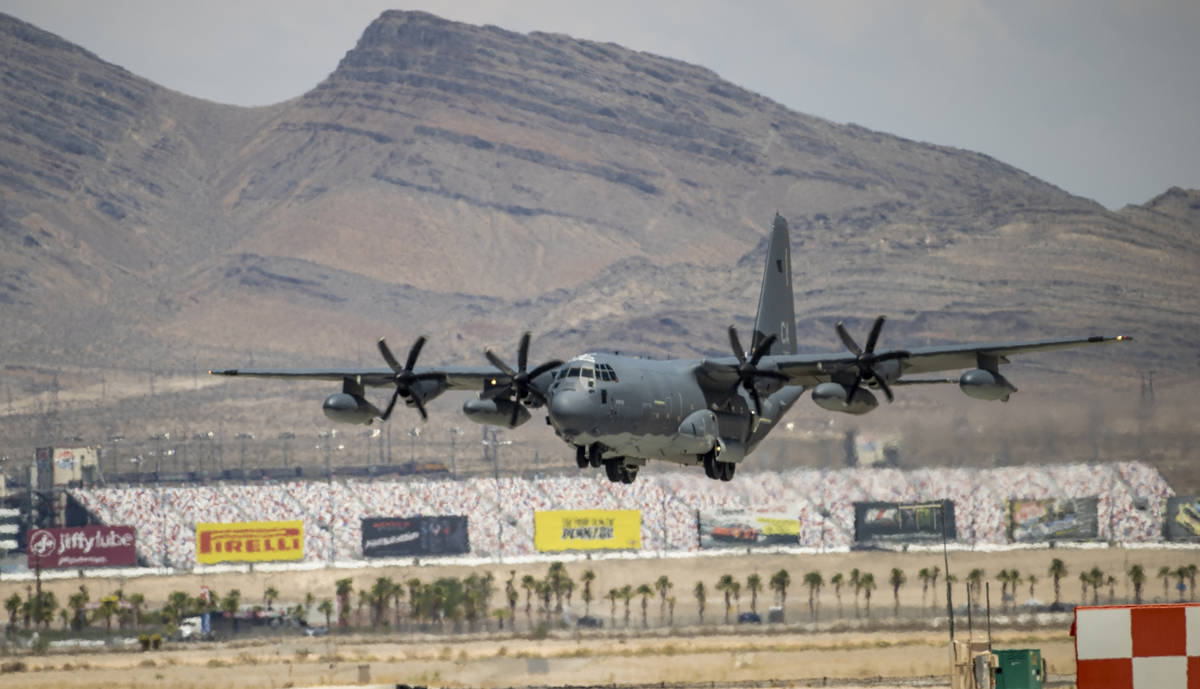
x=1131, y=503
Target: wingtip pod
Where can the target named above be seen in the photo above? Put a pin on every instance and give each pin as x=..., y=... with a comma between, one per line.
x=1117, y=338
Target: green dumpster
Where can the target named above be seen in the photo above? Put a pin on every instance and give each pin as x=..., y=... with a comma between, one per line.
x=1020, y=668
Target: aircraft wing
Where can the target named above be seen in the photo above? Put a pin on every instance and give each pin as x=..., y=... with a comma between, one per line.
x=810, y=369
x=455, y=377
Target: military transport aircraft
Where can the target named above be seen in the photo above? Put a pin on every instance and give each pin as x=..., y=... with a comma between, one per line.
x=620, y=411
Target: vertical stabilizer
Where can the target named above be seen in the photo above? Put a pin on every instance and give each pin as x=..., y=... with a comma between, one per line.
x=776, y=309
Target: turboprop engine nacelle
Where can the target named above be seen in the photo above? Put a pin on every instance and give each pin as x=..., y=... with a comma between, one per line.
x=833, y=396
x=344, y=407
x=497, y=412
x=985, y=385
x=697, y=433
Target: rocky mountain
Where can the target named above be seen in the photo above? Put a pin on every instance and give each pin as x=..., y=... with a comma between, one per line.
x=469, y=183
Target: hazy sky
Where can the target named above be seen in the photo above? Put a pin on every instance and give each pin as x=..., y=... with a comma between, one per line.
x=1100, y=97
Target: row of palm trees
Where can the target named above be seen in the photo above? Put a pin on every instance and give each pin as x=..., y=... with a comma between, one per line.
x=467, y=602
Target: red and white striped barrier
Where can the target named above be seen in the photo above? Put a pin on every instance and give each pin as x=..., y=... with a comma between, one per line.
x=1137, y=646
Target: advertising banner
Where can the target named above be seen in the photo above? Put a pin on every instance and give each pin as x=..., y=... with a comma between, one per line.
x=555, y=530
x=249, y=542
x=1182, y=519
x=746, y=529
x=82, y=546
x=1071, y=519
x=413, y=536
x=898, y=522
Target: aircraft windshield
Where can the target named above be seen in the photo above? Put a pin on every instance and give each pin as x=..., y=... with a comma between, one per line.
x=602, y=372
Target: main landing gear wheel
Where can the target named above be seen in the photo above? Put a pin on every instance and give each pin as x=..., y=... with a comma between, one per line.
x=716, y=469
x=618, y=471
x=581, y=458
x=726, y=470
x=595, y=454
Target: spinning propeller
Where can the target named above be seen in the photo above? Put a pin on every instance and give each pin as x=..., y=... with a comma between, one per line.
x=518, y=386
x=748, y=370
x=405, y=378
x=866, y=359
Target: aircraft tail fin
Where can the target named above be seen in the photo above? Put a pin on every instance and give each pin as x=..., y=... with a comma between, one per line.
x=776, y=307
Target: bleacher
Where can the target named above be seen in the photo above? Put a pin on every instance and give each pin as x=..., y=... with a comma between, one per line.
x=1131, y=503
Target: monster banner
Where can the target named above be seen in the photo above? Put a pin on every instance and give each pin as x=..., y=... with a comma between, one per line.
x=414, y=536
x=904, y=522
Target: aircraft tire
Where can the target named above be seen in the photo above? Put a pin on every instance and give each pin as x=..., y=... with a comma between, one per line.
x=628, y=474
x=725, y=470
x=710, y=465
x=581, y=459
x=612, y=469
x=595, y=454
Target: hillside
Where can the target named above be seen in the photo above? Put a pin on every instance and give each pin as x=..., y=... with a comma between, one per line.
x=469, y=183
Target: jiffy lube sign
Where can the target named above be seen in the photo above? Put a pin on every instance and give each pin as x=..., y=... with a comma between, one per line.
x=82, y=546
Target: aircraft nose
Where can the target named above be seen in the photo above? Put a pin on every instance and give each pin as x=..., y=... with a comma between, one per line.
x=569, y=411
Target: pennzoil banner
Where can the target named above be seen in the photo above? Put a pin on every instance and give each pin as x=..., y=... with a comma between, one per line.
x=555, y=530
x=1183, y=519
x=249, y=542
x=746, y=529
x=1071, y=519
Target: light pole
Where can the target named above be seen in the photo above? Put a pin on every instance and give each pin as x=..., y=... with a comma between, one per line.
x=454, y=432
x=413, y=434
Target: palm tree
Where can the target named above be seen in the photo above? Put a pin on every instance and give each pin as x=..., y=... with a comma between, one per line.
x=343, y=588
x=1191, y=575
x=326, y=609
x=136, y=601
x=645, y=592
x=1057, y=571
x=924, y=575
x=725, y=585
x=378, y=597
x=1180, y=573
x=671, y=611
x=529, y=583
x=780, y=581
x=270, y=595
x=754, y=585
x=1112, y=587
x=588, y=577
x=1097, y=580
x=1164, y=573
x=230, y=605
x=974, y=583
x=108, y=607
x=866, y=582
x=814, y=582
x=699, y=593
x=856, y=584
x=896, y=579
x=626, y=596
x=1032, y=580
x=12, y=605
x=613, y=595
x=1137, y=577
x=837, y=580
x=663, y=585
x=933, y=577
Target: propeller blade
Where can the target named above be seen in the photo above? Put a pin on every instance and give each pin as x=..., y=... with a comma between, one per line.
x=499, y=363
x=847, y=340
x=516, y=411
x=523, y=351
x=391, y=405
x=420, y=407
x=387, y=356
x=736, y=344
x=762, y=348
x=414, y=352
x=874, y=336
x=887, y=391
x=552, y=364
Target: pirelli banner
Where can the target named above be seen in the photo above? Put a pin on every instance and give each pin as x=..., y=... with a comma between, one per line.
x=1182, y=519
x=249, y=542
x=900, y=522
x=414, y=536
x=558, y=530
x=1071, y=519
x=745, y=529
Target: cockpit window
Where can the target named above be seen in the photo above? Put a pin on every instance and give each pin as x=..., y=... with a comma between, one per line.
x=589, y=373
x=574, y=372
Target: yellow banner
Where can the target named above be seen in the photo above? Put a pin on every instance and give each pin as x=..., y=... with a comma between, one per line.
x=249, y=542
x=587, y=530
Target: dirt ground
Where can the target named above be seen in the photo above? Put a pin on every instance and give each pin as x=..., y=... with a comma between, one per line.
x=835, y=646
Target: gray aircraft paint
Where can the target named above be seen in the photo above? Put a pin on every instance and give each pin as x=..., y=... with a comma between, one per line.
x=683, y=411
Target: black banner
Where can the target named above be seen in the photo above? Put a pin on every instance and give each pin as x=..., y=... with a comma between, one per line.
x=1070, y=519
x=903, y=522
x=413, y=536
x=1182, y=519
